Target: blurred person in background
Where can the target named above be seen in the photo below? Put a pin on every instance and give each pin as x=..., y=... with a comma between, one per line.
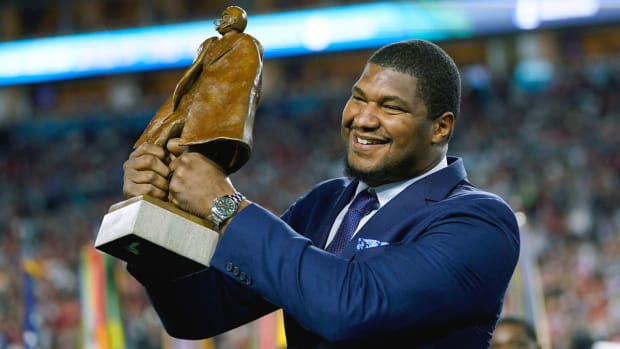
x=513, y=332
x=428, y=267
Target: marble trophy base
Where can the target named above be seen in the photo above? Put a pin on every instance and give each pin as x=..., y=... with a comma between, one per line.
x=157, y=235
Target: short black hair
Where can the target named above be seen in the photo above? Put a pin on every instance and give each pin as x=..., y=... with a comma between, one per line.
x=529, y=329
x=438, y=78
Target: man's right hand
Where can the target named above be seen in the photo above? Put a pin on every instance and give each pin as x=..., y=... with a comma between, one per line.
x=146, y=172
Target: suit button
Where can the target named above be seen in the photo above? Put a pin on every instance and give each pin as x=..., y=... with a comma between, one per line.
x=242, y=276
x=248, y=281
x=235, y=271
x=229, y=266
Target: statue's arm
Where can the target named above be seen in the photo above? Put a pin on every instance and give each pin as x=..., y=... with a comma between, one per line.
x=191, y=73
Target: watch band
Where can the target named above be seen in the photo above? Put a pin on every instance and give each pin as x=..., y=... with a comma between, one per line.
x=224, y=207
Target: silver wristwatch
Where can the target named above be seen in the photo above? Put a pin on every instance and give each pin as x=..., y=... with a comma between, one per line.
x=225, y=207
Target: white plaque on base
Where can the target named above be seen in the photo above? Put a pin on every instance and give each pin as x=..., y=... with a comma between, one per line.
x=158, y=235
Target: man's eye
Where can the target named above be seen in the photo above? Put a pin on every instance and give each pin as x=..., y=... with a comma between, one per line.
x=393, y=107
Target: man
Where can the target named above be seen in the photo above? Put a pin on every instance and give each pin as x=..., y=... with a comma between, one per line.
x=514, y=333
x=428, y=268
x=213, y=105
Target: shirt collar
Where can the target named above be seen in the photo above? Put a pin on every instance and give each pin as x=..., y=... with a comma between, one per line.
x=387, y=192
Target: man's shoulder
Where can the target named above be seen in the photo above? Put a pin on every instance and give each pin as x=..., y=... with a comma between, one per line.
x=465, y=189
x=328, y=189
x=333, y=183
x=469, y=191
x=468, y=198
x=315, y=202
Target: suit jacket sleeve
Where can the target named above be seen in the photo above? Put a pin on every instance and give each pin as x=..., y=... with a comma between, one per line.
x=444, y=264
x=455, y=272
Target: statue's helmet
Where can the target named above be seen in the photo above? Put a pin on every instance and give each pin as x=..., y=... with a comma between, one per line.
x=233, y=18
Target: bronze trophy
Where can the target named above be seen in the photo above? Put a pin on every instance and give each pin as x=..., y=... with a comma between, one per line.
x=212, y=111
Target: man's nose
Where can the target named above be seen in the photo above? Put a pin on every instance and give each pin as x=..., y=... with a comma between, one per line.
x=367, y=117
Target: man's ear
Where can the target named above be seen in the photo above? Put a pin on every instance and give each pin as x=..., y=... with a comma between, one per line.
x=443, y=127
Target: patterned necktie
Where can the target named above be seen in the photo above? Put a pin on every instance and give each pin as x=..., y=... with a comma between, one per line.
x=363, y=203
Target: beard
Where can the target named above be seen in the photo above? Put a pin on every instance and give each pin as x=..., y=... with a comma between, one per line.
x=386, y=174
x=390, y=171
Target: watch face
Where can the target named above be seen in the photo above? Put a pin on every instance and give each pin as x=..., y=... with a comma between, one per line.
x=225, y=206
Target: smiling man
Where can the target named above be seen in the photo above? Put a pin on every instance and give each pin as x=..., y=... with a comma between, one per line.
x=402, y=252
x=514, y=332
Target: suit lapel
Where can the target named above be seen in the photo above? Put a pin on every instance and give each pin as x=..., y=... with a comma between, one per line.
x=412, y=199
x=345, y=196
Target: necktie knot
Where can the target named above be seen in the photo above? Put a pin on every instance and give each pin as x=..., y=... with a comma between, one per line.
x=362, y=204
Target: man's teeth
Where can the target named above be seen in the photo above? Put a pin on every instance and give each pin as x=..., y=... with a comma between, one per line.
x=365, y=141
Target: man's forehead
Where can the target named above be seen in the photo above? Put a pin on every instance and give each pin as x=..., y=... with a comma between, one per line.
x=386, y=78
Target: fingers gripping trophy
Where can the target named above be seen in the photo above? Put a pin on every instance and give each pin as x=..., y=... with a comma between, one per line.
x=212, y=112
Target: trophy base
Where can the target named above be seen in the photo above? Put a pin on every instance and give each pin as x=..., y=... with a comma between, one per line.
x=157, y=235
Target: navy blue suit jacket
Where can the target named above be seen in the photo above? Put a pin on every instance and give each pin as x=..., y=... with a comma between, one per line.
x=428, y=270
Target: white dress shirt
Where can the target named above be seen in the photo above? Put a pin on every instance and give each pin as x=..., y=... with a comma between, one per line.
x=384, y=193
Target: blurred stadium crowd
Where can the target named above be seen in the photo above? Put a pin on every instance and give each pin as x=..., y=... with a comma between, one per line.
x=553, y=152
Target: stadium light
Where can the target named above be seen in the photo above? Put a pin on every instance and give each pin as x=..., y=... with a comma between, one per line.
x=282, y=34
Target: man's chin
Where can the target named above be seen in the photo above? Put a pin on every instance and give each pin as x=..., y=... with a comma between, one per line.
x=370, y=177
